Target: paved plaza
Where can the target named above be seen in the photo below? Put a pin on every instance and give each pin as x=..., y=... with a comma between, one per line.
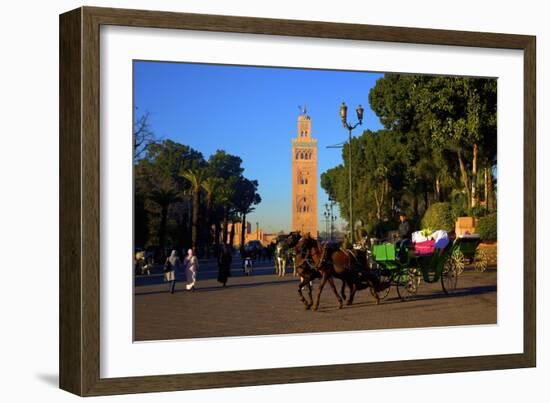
x=266, y=304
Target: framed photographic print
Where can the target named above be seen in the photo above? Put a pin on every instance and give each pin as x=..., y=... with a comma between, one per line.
x=236, y=192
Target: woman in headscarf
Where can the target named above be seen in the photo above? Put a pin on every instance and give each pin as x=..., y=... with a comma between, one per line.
x=172, y=263
x=224, y=265
x=191, y=264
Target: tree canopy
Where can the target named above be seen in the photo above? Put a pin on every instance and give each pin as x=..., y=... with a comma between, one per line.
x=438, y=134
x=182, y=199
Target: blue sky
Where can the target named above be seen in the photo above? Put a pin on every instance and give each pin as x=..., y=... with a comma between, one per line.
x=252, y=112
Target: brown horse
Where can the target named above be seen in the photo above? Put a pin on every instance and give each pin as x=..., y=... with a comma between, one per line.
x=314, y=260
x=302, y=266
x=311, y=264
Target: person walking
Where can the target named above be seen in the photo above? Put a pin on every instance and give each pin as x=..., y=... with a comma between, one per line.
x=191, y=266
x=224, y=265
x=170, y=266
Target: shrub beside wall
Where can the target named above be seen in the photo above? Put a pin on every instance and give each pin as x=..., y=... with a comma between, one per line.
x=486, y=227
x=439, y=216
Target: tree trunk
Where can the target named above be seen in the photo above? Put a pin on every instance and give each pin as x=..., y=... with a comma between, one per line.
x=426, y=197
x=208, y=226
x=486, y=187
x=194, y=229
x=474, y=196
x=378, y=205
x=217, y=233
x=225, y=224
x=415, y=206
x=243, y=231
x=464, y=176
x=491, y=199
x=437, y=189
x=162, y=229
x=232, y=235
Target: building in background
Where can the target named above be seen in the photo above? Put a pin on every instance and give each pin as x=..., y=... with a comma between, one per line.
x=250, y=234
x=304, y=178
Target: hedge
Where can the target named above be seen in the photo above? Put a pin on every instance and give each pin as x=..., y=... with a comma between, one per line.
x=439, y=216
x=486, y=227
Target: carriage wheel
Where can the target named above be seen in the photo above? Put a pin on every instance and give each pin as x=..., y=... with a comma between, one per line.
x=383, y=293
x=449, y=277
x=407, y=284
x=384, y=278
x=458, y=260
x=480, y=260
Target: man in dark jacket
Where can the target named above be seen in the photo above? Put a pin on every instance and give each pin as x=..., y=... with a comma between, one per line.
x=404, y=227
x=405, y=232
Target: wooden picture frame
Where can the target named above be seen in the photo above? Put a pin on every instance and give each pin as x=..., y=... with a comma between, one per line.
x=80, y=184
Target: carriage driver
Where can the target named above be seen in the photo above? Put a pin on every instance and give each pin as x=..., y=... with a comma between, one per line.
x=404, y=231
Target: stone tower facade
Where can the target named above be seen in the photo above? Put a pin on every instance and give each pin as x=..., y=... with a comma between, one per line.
x=304, y=178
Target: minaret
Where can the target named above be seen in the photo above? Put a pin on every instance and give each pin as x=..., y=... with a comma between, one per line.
x=304, y=178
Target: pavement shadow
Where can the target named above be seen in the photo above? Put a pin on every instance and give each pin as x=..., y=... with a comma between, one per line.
x=220, y=288
x=463, y=292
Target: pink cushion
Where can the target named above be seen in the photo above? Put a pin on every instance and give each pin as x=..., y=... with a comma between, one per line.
x=425, y=248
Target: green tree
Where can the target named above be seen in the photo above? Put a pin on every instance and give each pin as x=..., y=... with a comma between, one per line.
x=210, y=186
x=435, y=116
x=459, y=113
x=196, y=178
x=248, y=197
x=228, y=168
x=157, y=177
x=164, y=198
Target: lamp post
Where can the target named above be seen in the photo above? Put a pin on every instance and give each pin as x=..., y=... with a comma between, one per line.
x=349, y=127
x=329, y=218
x=332, y=217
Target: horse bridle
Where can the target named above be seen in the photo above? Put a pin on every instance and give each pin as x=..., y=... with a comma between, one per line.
x=307, y=255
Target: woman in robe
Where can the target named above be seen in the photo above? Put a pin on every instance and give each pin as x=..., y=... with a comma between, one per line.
x=224, y=265
x=191, y=266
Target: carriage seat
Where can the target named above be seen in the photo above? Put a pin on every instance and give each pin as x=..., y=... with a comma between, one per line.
x=384, y=252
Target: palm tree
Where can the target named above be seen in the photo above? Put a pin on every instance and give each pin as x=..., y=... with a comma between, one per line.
x=248, y=197
x=225, y=197
x=196, y=178
x=164, y=197
x=210, y=186
x=243, y=223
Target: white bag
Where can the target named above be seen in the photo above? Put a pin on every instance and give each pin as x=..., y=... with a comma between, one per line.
x=418, y=237
x=441, y=239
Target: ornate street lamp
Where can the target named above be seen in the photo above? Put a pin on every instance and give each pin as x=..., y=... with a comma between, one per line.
x=329, y=218
x=349, y=127
x=326, y=213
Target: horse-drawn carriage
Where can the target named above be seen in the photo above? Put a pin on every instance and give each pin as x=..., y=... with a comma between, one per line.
x=469, y=252
x=407, y=266
x=284, y=253
x=381, y=266
x=143, y=262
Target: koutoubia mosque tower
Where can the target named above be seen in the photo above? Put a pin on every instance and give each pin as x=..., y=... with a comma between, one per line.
x=304, y=178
